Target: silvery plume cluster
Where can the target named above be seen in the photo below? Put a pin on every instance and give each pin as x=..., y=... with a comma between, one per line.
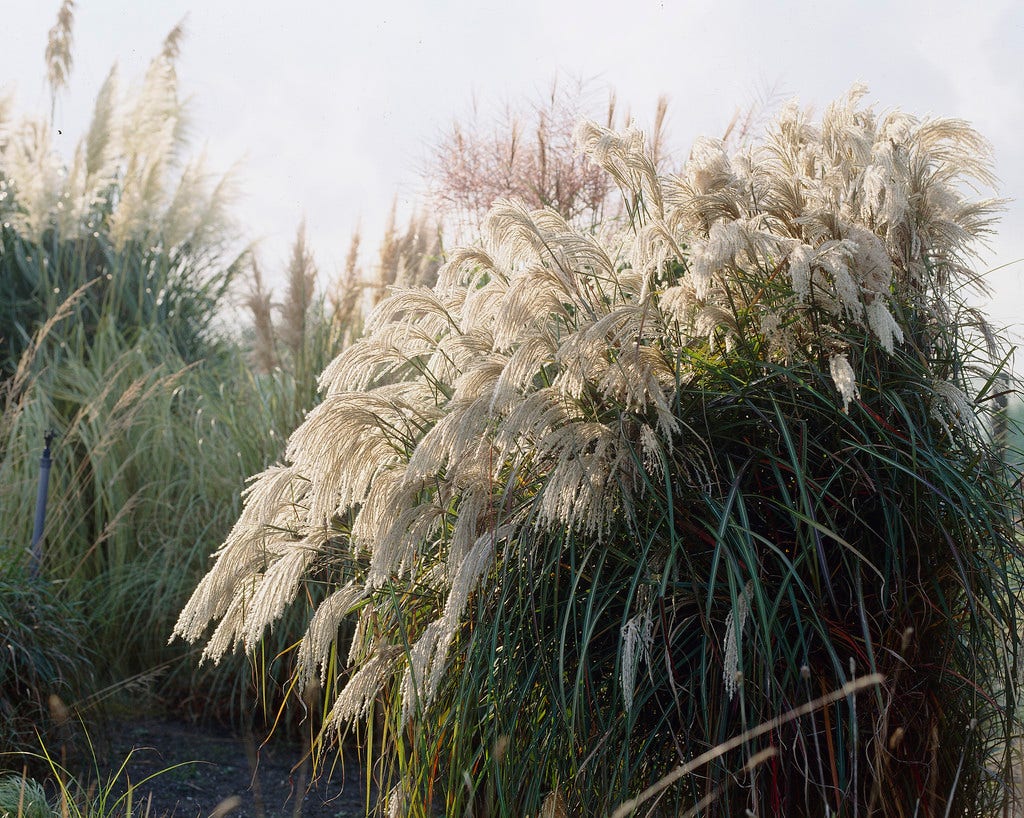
x=531, y=388
x=127, y=176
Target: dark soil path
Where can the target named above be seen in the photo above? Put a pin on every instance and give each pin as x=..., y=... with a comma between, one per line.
x=225, y=774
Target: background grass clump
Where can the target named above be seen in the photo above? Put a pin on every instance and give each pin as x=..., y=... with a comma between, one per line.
x=135, y=324
x=117, y=270
x=602, y=499
x=44, y=656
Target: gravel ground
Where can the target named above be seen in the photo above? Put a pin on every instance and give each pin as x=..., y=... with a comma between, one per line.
x=216, y=776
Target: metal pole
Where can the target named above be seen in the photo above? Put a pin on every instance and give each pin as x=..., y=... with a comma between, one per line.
x=44, y=485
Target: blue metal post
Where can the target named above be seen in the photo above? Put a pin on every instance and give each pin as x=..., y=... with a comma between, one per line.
x=44, y=486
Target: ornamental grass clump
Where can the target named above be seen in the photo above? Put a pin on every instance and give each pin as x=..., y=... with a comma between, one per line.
x=115, y=264
x=130, y=214
x=601, y=501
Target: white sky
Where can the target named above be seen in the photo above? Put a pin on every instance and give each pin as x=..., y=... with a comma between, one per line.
x=333, y=105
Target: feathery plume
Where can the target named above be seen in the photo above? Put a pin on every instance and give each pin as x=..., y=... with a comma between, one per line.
x=152, y=134
x=322, y=632
x=845, y=379
x=264, y=349
x=359, y=694
x=299, y=291
x=101, y=138
x=528, y=155
x=59, y=56
x=637, y=639
x=950, y=403
x=34, y=179
x=347, y=292
x=735, y=621
x=172, y=42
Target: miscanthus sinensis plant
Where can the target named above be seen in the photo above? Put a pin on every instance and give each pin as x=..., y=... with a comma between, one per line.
x=602, y=500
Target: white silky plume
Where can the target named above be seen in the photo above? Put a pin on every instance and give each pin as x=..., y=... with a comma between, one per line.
x=735, y=621
x=637, y=638
x=845, y=380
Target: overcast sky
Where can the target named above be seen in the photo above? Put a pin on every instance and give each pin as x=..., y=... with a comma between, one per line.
x=332, y=106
